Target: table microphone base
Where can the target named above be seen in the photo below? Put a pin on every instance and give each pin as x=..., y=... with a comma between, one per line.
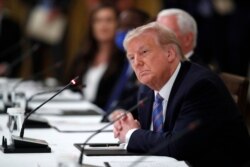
x=25, y=145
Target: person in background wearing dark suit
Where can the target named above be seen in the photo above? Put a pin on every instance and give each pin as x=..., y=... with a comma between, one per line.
x=100, y=62
x=10, y=48
x=182, y=97
x=185, y=28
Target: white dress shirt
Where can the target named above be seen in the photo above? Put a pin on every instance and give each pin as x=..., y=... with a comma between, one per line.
x=92, y=79
x=164, y=92
x=189, y=54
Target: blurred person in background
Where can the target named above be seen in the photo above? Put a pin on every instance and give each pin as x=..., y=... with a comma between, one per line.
x=129, y=19
x=120, y=5
x=10, y=44
x=185, y=28
x=100, y=62
x=223, y=27
x=47, y=26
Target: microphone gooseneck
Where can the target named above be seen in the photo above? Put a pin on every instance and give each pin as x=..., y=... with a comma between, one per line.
x=45, y=92
x=72, y=82
x=42, y=93
x=37, y=94
x=112, y=122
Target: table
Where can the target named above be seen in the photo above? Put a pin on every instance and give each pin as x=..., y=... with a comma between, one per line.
x=64, y=153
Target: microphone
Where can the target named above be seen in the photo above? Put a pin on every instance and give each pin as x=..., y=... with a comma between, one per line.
x=72, y=82
x=39, y=122
x=104, y=127
x=28, y=145
x=18, y=83
x=35, y=47
x=191, y=127
x=49, y=91
x=115, y=105
x=37, y=94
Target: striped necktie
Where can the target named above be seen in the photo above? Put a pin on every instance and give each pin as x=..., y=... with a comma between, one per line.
x=157, y=115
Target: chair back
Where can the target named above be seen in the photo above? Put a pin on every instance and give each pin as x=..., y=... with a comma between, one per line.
x=238, y=87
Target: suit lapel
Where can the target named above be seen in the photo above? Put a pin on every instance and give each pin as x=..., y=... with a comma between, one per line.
x=145, y=111
x=171, y=109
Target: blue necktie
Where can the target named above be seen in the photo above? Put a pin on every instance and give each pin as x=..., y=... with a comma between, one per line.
x=157, y=115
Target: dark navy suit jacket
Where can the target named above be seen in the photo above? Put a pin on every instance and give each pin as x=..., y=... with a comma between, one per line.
x=221, y=139
x=197, y=59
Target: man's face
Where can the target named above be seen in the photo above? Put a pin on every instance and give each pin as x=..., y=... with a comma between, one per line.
x=149, y=60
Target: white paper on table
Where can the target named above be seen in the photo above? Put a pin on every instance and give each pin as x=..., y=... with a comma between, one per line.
x=66, y=95
x=77, y=126
x=72, y=118
x=54, y=106
x=90, y=123
x=80, y=127
x=119, y=147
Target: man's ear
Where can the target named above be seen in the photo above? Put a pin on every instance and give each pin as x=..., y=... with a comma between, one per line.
x=171, y=52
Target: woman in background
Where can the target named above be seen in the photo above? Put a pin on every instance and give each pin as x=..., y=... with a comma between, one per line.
x=100, y=62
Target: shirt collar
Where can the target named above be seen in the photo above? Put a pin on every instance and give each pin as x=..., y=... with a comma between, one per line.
x=166, y=89
x=189, y=54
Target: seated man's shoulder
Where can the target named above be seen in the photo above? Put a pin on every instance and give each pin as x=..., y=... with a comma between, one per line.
x=200, y=78
x=199, y=73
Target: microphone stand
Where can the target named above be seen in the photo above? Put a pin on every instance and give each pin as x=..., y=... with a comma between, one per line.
x=27, y=110
x=104, y=127
x=37, y=122
x=28, y=145
x=73, y=82
x=25, y=55
x=18, y=83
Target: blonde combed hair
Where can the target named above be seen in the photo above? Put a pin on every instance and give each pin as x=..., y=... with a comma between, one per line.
x=164, y=36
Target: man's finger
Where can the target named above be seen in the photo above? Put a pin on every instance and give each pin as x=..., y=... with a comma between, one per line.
x=118, y=125
x=117, y=113
x=116, y=133
x=129, y=116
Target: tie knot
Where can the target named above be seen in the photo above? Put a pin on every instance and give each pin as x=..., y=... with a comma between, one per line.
x=158, y=98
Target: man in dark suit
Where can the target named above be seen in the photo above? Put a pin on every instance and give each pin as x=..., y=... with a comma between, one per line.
x=180, y=94
x=185, y=28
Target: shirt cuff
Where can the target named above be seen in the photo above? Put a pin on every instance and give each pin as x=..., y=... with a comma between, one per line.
x=128, y=135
